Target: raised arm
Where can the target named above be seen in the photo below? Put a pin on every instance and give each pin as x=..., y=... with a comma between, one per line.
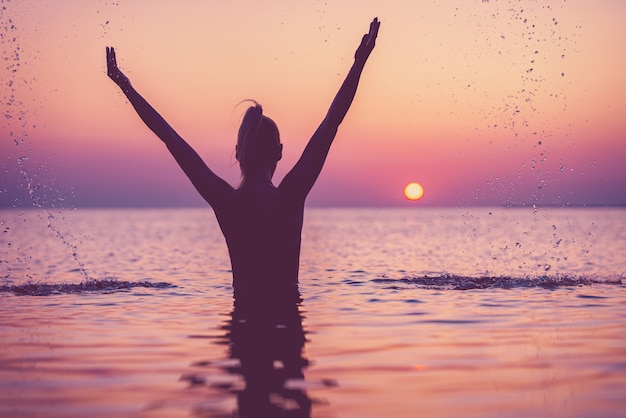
x=301, y=178
x=208, y=184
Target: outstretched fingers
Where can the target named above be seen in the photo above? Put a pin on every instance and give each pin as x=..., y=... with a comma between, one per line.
x=111, y=61
x=373, y=33
x=368, y=42
x=113, y=72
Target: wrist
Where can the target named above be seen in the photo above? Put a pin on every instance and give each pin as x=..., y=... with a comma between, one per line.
x=124, y=85
x=359, y=63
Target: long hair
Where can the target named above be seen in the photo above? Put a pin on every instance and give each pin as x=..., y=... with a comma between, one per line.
x=258, y=141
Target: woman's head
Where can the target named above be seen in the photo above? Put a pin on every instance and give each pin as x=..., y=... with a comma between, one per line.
x=258, y=142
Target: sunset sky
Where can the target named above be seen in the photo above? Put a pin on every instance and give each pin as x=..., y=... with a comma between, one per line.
x=493, y=102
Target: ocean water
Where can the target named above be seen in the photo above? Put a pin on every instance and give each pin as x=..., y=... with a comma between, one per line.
x=474, y=312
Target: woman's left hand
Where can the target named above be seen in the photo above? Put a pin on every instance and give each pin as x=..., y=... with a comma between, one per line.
x=113, y=72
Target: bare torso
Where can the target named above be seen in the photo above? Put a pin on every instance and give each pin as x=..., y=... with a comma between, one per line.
x=262, y=226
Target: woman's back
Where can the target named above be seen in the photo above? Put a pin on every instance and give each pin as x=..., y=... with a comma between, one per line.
x=262, y=225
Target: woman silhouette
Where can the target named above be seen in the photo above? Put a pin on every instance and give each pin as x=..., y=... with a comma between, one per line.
x=261, y=223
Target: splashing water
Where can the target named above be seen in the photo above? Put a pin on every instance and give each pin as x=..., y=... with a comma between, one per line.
x=535, y=46
x=87, y=286
x=454, y=282
x=17, y=124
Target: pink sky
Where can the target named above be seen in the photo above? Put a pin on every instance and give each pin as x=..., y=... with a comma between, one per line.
x=483, y=102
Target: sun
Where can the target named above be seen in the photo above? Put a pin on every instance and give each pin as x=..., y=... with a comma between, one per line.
x=414, y=191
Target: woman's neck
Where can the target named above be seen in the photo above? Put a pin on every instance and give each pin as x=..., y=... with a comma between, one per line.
x=262, y=176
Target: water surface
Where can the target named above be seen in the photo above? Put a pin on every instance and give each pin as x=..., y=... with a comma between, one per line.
x=445, y=313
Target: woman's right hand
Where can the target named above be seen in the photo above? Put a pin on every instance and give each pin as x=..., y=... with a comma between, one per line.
x=113, y=72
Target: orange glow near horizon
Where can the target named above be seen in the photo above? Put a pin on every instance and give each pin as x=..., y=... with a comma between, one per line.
x=459, y=93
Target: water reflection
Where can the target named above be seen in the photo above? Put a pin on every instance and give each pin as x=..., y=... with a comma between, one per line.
x=266, y=340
